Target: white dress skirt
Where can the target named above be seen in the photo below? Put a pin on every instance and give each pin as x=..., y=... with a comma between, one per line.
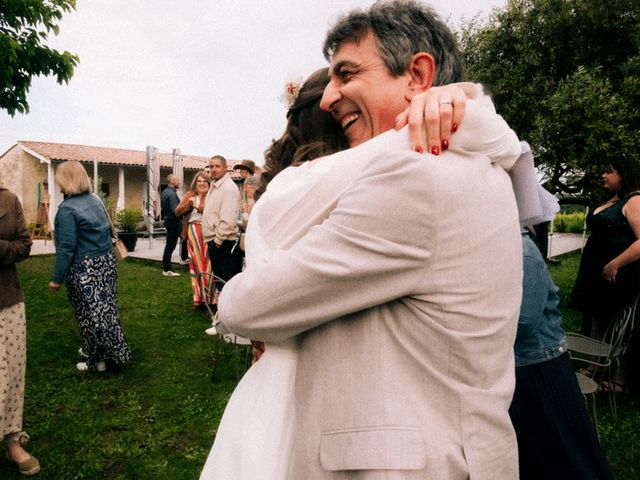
x=255, y=436
x=254, y=439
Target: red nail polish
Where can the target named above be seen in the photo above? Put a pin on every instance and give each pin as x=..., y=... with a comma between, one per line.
x=445, y=145
x=435, y=150
x=454, y=127
x=419, y=150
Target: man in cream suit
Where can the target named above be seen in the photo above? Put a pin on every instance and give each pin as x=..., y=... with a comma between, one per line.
x=405, y=296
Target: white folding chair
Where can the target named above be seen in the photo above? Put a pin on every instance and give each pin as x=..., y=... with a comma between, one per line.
x=605, y=355
x=210, y=286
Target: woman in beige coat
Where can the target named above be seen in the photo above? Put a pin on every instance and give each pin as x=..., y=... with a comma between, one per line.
x=15, y=245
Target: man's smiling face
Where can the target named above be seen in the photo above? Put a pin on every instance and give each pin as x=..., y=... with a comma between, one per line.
x=362, y=95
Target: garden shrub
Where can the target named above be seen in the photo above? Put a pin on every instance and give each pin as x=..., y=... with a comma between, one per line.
x=569, y=222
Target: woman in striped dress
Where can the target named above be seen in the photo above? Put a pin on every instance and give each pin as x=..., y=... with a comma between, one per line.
x=191, y=208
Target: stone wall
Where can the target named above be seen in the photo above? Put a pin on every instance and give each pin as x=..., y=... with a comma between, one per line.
x=34, y=178
x=24, y=175
x=11, y=171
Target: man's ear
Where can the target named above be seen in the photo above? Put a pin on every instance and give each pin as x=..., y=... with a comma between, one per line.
x=422, y=69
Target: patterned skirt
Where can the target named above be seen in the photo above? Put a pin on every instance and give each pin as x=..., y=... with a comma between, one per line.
x=200, y=263
x=91, y=288
x=13, y=361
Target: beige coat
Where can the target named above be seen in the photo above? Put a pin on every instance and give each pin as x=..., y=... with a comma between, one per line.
x=404, y=285
x=220, y=215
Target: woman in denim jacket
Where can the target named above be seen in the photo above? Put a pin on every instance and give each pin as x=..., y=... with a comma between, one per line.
x=548, y=410
x=85, y=262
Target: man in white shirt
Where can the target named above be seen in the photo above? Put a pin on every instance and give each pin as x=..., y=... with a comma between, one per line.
x=219, y=221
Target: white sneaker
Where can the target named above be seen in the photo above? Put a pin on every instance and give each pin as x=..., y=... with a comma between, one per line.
x=169, y=273
x=211, y=330
x=83, y=367
x=185, y=262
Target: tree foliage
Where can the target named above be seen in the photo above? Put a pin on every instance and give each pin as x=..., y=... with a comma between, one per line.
x=565, y=74
x=24, y=27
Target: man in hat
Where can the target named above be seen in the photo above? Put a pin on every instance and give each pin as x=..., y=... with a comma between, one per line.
x=246, y=168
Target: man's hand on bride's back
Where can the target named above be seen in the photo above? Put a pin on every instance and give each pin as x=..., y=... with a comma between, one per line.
x=433, y=116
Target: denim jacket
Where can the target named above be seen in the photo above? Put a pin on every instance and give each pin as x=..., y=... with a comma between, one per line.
x=82, y=230
x=540, y=335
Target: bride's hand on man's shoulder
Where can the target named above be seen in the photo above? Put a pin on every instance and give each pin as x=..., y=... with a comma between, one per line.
x=433, y=116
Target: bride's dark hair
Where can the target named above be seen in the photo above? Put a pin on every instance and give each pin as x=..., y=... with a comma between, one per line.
x=310, y=133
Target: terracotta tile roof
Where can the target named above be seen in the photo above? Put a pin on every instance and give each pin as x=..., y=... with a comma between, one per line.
x=112, y=156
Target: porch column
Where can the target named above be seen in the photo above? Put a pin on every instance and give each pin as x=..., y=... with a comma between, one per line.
x=52, y=187
x=120, y=203
x=96, y=190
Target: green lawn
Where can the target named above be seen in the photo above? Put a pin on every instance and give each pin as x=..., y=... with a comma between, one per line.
x=157, y=419
x=154, y=420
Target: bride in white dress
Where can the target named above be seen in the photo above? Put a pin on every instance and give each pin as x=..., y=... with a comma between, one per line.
x=254, y=439
x=255, y=433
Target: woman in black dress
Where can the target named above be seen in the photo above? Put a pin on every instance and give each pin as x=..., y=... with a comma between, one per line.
x=609, y=274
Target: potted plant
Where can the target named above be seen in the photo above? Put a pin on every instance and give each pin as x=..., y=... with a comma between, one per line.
x=127, y=223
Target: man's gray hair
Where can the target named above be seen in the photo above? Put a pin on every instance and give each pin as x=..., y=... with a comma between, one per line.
x=402, y=28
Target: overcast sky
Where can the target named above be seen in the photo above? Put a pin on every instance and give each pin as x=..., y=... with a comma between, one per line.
x=205, y=76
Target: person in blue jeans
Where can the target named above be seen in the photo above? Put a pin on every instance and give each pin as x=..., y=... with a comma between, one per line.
x=556, y=439
x=169, y=201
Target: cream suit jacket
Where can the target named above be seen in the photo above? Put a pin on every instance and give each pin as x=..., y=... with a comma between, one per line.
x=404, y=286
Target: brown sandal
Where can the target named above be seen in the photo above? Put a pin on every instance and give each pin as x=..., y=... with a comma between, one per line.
x=28, y=467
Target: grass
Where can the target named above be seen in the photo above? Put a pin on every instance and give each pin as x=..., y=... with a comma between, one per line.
x=157, y=419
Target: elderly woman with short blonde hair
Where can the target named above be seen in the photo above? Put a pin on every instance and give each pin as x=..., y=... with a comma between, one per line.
x=85, y=262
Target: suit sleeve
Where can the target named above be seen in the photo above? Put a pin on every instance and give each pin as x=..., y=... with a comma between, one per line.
x=373, y=248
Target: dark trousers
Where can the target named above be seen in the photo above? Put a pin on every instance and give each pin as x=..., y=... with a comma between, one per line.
x=224, y=263
x=556, y=439
x=541, y=238
x=184, y=254
x=173, y=233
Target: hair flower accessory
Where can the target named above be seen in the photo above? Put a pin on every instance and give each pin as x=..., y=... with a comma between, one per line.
x=291, y=92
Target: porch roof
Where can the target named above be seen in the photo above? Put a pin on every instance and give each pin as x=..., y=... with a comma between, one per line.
x=61, y=152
